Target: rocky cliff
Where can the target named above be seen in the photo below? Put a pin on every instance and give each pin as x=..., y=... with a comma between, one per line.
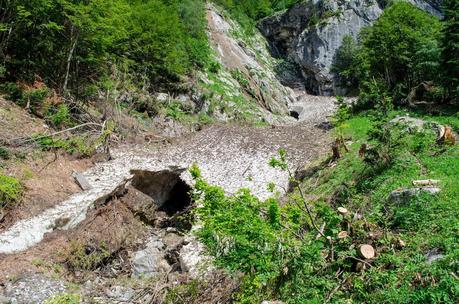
x=311, y=32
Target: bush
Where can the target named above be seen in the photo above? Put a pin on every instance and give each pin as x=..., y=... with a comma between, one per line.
x=4, y=153
x=60, y=116
x=261, y=239
x=75, y=144
x=64, y=298
x=10, y=190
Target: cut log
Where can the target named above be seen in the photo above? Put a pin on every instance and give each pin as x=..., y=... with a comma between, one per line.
x=426, y=182
x=342, y=235
x=366, y=251
x=343, y=210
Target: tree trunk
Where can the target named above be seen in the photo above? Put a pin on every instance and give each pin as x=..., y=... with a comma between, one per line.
x=73, y=45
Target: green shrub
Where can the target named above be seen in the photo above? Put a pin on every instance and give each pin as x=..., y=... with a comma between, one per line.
x=34, y=98
x=4, y=153
x=342, y=112
x=259, y=238
x=75, y=144
x=64, y=298
x=10, y=190
x=60, y=117
x=13, y=92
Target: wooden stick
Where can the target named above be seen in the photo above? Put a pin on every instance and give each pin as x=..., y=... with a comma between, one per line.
x=29, y=139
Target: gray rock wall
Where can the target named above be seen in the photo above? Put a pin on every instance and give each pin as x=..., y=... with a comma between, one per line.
x=311, y=32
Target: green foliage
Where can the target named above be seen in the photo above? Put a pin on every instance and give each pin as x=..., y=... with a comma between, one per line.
x=175, y=111
x=342, y=113
x=60, y=117
x=4, y=153
x=2, y=70
x=395, y=55
x=348, y=63
x=189, y=291
x=247, y=12
x=402, y=49
x=271, y=244
x=33, y=98
x=450, y=47
x=10, y=190
x=64, y=298
x=193, y=20
x=74, y=144
x=72, y=44
x=275, y=245
x=82, y=256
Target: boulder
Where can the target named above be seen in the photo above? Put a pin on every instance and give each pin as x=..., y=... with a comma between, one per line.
x=120, y=294
x=150, y=262
x=433, y=255
x=311, y=32
x=81, y=181
x=162, y=97
x=4, y=300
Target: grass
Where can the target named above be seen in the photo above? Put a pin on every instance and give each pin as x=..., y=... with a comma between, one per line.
x=426, y=223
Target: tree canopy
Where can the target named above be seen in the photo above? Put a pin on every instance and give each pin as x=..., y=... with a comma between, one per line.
x=71, y=42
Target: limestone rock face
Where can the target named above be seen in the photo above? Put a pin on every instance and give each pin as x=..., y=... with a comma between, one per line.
x=311, y=32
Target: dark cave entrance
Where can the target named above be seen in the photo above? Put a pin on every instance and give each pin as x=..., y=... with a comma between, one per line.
x=169, y=192
x=295, y=115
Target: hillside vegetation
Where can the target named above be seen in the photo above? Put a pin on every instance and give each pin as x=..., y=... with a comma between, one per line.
x=376, y=220
x=406, y=55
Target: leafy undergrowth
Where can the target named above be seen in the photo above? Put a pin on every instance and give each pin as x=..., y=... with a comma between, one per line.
x=10, y=190
x=284, y=255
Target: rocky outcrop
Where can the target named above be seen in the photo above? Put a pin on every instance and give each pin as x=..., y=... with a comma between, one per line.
x=311, y=32
x=246, y=66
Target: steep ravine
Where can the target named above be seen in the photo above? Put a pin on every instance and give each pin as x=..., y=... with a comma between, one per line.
x=229, y=155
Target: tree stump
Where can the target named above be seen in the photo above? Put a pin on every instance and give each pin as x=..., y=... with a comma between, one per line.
x=343, y=210
x=342, y=235
x=366, y=251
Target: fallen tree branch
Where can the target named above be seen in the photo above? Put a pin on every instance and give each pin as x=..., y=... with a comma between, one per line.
x=30, y=139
